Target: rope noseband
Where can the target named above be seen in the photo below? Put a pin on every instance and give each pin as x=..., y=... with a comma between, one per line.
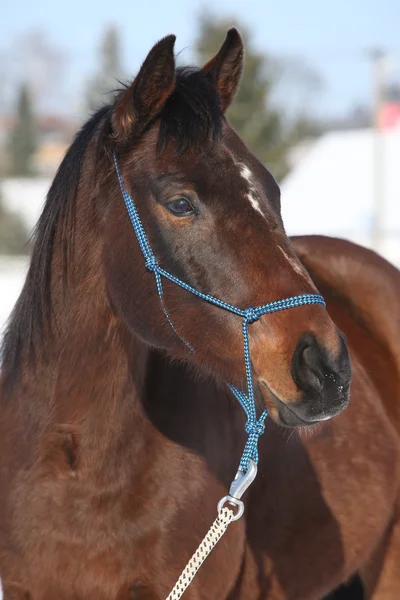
x=254, y=426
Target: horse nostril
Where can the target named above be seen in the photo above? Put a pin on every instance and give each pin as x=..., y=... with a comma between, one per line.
x=324, y=378
x=309, y=365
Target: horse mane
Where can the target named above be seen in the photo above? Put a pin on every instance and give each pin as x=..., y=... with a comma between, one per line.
x=33, y=307
x=190, y=117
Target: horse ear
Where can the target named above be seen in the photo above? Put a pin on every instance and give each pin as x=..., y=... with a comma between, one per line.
x=226, y=67
x=145, y=97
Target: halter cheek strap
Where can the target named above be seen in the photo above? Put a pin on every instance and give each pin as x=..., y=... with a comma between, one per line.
x=254, y=425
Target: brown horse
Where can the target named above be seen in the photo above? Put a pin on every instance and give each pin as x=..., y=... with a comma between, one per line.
x=116, y=441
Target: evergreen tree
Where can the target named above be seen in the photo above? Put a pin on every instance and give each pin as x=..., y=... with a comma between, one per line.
x=253, y=114
x=22, y=142
x=101, y=88
x=13, y=233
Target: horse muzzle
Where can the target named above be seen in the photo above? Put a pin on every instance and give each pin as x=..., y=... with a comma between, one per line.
x=322, y=382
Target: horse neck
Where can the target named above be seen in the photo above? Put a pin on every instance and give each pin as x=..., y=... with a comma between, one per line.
x=101, y=386
x=100, y=380
x=88, y=372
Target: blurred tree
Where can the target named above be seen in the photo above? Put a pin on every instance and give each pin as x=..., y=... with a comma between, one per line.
x=22, y=143
x=256, y=112
x=13, y=233
x=33, y=58
x=101, y=88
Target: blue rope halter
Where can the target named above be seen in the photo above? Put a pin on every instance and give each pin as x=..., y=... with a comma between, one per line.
x=254, y=425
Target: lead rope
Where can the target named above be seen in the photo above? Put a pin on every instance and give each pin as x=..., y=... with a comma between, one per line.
x=225, y=517
x=254, y=426
x=215, y=533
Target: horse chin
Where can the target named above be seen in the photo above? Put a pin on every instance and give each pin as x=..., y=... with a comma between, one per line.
x=305, y=412
x=288, y=417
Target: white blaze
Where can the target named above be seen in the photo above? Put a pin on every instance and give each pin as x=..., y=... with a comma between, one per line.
x=252, y=193
x=252, y=198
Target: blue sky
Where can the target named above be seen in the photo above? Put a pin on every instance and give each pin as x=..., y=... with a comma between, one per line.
x=330, y=36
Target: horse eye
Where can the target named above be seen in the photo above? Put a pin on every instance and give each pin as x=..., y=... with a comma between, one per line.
x=180, y=207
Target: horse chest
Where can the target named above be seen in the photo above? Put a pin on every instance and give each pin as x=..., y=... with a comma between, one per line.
x=130, y=545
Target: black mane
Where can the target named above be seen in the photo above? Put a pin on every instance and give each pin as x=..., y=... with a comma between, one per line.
x=190, y=117
x=33, y=307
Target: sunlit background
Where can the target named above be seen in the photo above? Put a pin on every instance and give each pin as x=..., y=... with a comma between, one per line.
x=319, y=103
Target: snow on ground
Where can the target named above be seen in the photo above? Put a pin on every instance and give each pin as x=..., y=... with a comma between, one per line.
x=12, y=276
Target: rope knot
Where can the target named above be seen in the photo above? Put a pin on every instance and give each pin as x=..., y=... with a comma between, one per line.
x=152, y=263
x=251, y=315
x=254, y=427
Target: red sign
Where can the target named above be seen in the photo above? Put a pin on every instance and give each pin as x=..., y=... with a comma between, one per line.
x=389, y=117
